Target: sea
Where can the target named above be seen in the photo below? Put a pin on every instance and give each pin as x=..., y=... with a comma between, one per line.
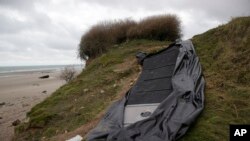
x=7, y=71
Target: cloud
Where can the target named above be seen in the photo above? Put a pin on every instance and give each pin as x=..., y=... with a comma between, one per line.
x=35, y=32
x=214, y=8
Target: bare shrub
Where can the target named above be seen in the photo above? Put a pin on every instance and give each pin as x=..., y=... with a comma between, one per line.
x=95, y=41
x=68, y=73
x=162, y=27
x=104, y=35
x=119, y=30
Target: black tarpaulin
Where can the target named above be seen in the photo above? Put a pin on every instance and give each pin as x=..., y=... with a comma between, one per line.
x=172, y=82
x=154, y=83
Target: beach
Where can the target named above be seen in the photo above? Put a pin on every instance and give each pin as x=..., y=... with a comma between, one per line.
x=19, y=92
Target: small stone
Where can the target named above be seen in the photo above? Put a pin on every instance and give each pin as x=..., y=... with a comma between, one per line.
x=25, y=105
x=1, y=117
x=102, y=91
x=16, y=122
x=85, y=90
x=114, y=85
x=2, y=103
x=44, y=92
x=26, y=120
x=76, y=138
x=44, y=77
x=131, y=83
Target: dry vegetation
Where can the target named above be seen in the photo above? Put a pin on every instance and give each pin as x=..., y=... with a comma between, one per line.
x=106, y=34
x=68, y=73
x=162, y=27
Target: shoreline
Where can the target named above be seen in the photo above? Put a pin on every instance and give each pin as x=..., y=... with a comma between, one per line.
x=19, y=92
x=20, y=73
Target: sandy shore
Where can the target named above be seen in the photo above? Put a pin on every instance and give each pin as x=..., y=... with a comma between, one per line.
x=19, y=92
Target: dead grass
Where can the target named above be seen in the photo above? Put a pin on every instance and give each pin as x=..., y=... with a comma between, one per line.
x=161, y=27
x=106, y=34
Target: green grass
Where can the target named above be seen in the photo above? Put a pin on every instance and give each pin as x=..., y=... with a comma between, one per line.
x=224, y=55
x=81, y=100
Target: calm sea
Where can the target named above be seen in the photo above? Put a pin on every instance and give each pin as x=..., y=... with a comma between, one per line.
x=8, y=70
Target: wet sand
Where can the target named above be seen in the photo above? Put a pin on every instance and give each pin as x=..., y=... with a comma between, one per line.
x=19, y=92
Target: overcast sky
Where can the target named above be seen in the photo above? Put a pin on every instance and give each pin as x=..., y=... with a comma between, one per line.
x=42, y=32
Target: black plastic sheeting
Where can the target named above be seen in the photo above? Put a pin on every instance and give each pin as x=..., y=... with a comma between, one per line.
x=173, y=78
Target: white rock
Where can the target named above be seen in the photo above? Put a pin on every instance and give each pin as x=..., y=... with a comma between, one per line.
x=76, y=138
x=85, y=90
x=102, y=91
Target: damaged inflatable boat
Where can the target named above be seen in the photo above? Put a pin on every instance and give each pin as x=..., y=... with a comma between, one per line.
x=166, y=99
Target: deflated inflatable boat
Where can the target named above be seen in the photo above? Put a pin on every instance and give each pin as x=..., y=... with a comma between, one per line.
x=167, y=97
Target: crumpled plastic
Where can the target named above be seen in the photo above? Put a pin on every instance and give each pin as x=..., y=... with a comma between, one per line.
x=173, y=116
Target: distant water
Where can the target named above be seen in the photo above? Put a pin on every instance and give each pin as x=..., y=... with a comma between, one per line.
x=7, y=70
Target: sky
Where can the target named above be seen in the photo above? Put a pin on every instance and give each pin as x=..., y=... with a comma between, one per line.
x=48, y=32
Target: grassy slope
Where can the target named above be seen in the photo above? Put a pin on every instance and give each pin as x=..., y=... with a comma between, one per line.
x=224, y=54
x=82, y=100
x=225, y=57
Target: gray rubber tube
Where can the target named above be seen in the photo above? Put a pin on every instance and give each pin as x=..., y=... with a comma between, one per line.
x=172, y=117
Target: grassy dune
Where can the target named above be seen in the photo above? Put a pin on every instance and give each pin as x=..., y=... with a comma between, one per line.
x=224, y=53
x=104, y=80
x=225, y=57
